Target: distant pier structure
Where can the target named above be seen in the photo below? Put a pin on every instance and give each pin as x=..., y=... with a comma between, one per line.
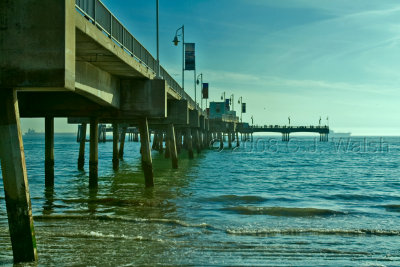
x=323, y=131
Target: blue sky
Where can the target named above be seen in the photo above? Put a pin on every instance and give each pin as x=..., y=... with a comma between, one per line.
x=297, y=58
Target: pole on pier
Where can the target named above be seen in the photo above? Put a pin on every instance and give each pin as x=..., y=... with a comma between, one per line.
x=15, y=180
x=93, y=153
x=147, y=163
x=82, y=142
x=189, y=142
x=172, y=146
x=122, y=143
x=115, y=159
x=49, y=151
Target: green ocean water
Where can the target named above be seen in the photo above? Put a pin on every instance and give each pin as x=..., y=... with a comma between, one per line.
x=302, y=203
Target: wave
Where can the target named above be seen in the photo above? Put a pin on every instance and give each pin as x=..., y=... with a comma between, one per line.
x=350, y=232
x=235, y=198
x=117, y=202
x=393, y=208
x=120, y=219
x=283, y=211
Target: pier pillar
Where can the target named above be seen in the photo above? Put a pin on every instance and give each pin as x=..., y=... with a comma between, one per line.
x=93, y=153
x=160, y=142
x=122, y=143
x=154, y=145
x=229, y=139
x=237, y=139
x=172, y=146
x=189, y=142
x=178, y=140
x=221, y=141
x=49, y=151
x=147, y=163
x=167, y=145
x=197, y=141
x=15, y=180
x=115, y=159
x=82, y=143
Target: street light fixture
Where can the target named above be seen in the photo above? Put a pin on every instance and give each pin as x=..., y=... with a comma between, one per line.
x=176, y=41
x=200, y=82
x=240, y=101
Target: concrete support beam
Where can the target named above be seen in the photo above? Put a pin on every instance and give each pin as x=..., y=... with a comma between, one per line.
x=94, y=153
x=194, y=121
x=122, y=143
x=178, y=112
x=49, y=151
x=15, y=180
x=37, y=45
x=147, y=163
x=82, y=143
x=172, y=146
x=144, y=98
x=115, y=159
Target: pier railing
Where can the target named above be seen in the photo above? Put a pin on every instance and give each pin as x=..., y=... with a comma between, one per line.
x=102, y=17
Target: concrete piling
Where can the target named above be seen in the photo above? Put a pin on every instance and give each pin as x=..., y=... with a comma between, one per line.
x=221, y=141
x=15, y=180
x=93, y=153
x=167, y=145
x=122, y=144
x=229, y=139
x=189, y=142
x=147, y=163
x=115, y=159
x=197, y=141
x=82, y=143
x=237, y=139
x=49, y=151
x=172, y=146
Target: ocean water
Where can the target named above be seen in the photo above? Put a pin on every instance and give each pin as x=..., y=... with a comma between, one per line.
x=269, y=203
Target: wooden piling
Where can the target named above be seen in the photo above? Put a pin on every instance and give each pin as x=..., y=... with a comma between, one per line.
x=49, y=151
x=172, y=146
x=115, y=159
x=15, y=180
x=237, y=139
x=82, y=143
x=189, y=143
x=93, y=154
x=147, y=163
x=122, y=144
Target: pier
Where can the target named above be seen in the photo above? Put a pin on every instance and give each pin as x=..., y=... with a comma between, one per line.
x=76, y=60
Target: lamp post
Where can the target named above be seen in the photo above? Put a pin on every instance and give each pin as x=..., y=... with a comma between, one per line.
x=176, y=41
x=289, y=120
x=158, y=41
x=232, y=101
x=240, y=101
x=201, y=82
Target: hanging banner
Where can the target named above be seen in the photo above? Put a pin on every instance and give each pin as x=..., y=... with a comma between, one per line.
x=243, y=107
x=190, y=63
x=205, y=90
x=227, y=101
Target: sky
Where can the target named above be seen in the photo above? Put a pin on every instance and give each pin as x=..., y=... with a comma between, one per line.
x=300, y=58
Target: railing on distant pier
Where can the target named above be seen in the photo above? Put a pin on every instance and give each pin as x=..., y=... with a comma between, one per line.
x=288, y=129
x=102, y=17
